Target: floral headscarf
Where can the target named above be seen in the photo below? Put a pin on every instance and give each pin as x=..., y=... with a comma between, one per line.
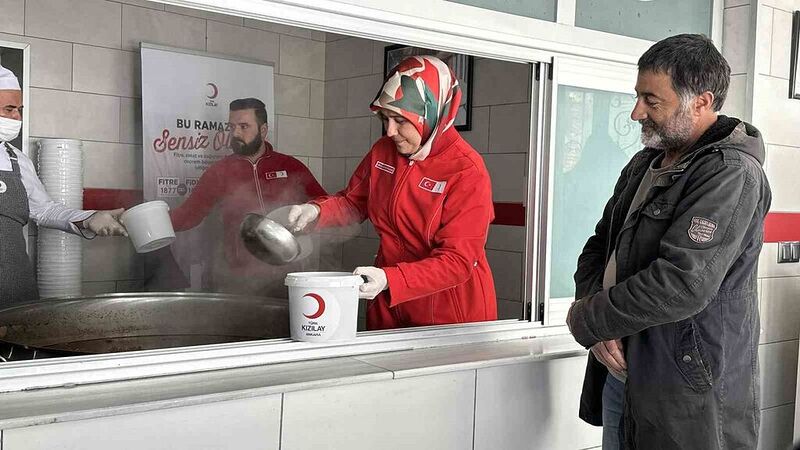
x=424, y=91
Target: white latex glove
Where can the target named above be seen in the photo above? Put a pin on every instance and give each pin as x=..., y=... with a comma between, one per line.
x=106, y=223
x=301, y=215
x=610, y=354
x=376, y=284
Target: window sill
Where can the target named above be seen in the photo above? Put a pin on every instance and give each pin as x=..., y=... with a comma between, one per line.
x=59, y=404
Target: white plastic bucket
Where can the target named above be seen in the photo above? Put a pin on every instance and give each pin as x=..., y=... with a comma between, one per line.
x=149, y=226
x=323, y=306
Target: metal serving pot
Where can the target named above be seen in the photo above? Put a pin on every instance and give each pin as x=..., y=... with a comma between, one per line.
x=268, y=240
x=142, y=321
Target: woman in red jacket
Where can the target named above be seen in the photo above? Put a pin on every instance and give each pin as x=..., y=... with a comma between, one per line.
x=428, y=194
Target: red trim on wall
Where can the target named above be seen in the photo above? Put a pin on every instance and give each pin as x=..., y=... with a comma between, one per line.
x=111, y=198
x=509, y=214
x=777, y=227
x=782, y=227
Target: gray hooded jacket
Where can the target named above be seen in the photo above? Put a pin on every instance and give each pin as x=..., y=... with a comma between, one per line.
x=685, y=301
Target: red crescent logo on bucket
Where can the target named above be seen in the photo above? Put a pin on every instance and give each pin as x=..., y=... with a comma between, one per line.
x=320, y=307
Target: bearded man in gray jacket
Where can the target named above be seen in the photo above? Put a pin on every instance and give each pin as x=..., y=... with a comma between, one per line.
x=666, y=287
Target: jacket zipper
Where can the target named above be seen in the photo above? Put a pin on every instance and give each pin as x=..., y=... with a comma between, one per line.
x=393, y=215
x=610, y=233
x=396, y=193
x=258, y=187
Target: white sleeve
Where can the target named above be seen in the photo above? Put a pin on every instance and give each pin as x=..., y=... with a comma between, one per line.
x=43, y=210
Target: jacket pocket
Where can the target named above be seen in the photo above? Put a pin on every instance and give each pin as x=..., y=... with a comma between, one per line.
x=659, y=210
x=456, y=307
x=691, y=357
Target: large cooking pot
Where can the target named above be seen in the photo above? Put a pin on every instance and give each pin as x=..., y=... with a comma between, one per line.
x=141, y=321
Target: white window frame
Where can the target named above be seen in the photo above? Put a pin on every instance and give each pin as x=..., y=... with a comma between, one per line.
x=581, y=73
x=479, y=32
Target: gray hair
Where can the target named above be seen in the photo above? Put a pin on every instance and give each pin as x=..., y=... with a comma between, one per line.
x=694, y=65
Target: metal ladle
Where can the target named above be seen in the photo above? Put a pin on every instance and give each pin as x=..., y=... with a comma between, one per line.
x=268, y=240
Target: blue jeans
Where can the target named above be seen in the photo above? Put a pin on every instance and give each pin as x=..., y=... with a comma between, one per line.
x=613, y=395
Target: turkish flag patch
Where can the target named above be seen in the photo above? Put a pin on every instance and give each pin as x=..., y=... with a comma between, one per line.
x=437, y=187
x=276, y=174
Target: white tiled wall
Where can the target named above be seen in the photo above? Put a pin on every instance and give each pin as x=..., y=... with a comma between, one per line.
x=775, y=115
x=85, y=84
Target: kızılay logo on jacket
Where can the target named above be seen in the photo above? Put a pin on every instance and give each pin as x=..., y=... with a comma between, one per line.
x=213, y=93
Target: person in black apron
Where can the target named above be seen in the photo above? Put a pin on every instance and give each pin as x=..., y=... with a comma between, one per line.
x=22, y=197
x=17, y=281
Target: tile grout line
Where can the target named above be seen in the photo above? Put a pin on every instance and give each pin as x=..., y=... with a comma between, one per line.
x=764, y=409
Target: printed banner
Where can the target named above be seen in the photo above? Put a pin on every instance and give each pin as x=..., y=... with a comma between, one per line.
x=185, y=98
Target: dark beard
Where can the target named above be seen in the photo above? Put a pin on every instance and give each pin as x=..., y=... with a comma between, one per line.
x=246, y=149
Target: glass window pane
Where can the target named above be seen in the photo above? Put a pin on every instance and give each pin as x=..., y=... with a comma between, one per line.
x=652, y=20
x=595, y=137
x=537, y=9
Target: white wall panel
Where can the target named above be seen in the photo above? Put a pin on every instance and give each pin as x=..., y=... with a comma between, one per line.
x=510, y=130
x=781, y=44
x=736, y=38
x=778, y=368
x=302, y=57
x=13, y=18
x=780, y=309
x=50, y=60
x=252, y=423
x=245, y=42
x=348, y=58
x=112, y=166
x=285, y=29
x=776, y=428
x=106, y=71
x=532, y=406
x=360, y=93
x=292, y=96
x=233, y=20
x=500, y=82
x=433, y=412
x=62, y=114
x=157, y=27
x=781, y=171
x=299, y=136
x=94, y=22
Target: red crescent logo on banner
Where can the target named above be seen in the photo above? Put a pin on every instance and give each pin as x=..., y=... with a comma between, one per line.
x=320, y=306
x=214, y=90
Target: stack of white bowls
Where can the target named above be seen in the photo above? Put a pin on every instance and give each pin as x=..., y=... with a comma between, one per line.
x=60, y=254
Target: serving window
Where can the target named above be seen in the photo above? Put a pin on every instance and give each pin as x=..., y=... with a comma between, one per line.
x=530, y=118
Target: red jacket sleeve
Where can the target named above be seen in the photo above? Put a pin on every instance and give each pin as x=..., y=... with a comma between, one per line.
x=348, y=206
x=200, y=202
x=312, y=187
x=459, y=242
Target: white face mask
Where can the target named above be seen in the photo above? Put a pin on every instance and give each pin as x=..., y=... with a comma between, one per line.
x=9, y=129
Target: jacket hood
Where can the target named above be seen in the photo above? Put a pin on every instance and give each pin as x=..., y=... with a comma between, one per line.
x=734, y=133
